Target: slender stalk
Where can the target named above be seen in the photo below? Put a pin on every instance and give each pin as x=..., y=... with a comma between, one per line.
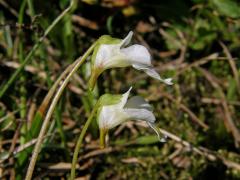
x=31, y=9
x=5, y=87
x=22, y=78
x=51, y=92
x=35, y=126
x=50, y=112
x=79, y=142
x=38, y=118
x=60, y=126
x=103, y=133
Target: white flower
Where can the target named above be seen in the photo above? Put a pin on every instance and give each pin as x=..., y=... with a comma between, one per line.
x=112, y=53
x=122, y=110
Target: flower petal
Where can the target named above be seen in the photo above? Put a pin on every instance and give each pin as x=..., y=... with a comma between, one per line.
x=140, y=114
x=111, y=116
x=140, y=59
x=137, y=102
x=124, y=98
x=127, y=39
x=151, y=72
x=107, y=53
x=155, y=128
x=137, y=54
x=104, y=54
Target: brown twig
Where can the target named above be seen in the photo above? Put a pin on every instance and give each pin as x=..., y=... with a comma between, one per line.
x=85, y=22
x=230, y=123
x=210, y=155
x=196, y=63
x=11, y=10
x=28, y=68
x=232, y=65
x=189, y=145
x=187, y=110
x=218, y=101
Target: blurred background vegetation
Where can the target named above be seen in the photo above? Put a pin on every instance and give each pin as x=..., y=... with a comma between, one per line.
x=194, y=41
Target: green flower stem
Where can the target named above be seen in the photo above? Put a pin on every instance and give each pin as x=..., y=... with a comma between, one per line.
x=5, y=87
x=93, y=78
x=103, y=133
x=50, y=112
x=22, y=78
x=80, y=140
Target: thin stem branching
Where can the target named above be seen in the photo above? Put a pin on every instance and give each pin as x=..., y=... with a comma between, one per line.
x=46, y=121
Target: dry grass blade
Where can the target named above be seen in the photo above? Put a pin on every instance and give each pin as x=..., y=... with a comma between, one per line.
x=28, y=68
x=20, y=149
